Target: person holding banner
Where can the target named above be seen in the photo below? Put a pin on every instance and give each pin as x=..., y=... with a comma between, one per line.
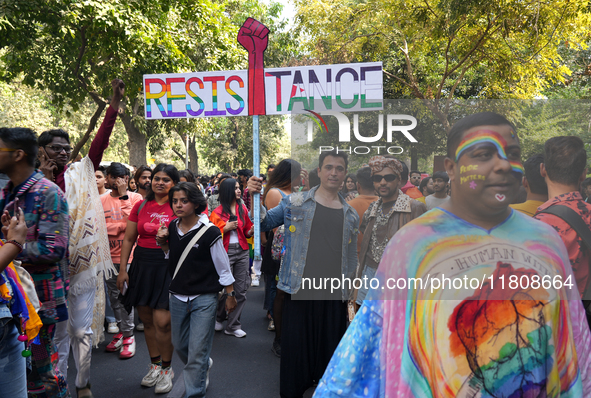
x=320, y=242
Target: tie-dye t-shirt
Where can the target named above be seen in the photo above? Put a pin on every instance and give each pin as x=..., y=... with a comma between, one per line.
x=462, y=342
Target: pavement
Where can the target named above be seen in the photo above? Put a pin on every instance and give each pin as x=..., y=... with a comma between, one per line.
x=243, y=367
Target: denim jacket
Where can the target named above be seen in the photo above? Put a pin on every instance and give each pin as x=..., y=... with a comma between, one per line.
x=296, y=211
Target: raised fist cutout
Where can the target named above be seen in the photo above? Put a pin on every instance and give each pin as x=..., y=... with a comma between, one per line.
x=254, y=37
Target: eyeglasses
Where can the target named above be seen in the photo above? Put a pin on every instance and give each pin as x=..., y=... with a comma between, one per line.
x=388, y=177
x=8, y=150
x=59, y=148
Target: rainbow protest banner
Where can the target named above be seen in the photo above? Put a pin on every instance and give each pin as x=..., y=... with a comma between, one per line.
x=259, y=91
x=345, y=87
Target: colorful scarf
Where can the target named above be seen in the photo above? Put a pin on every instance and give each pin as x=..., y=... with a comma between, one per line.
x=90, y=257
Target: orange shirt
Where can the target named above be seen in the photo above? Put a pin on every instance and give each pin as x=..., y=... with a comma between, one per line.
x=116, y=213
x=361, y=204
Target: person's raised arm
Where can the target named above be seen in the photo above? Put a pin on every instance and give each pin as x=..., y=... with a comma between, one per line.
x=269, y=219
x=101, y=140
x=131, y=235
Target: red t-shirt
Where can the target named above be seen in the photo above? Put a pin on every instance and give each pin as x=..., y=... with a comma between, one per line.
x=149, y=220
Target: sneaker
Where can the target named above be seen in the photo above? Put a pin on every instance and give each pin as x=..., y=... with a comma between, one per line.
x=113, y=328
x=255, y=281
x=276, y=349
x=153, y=376
x=218, y=326
x=208, y=369
x=128, y=348
x=271, y=326
x=115, y=344
x=164, y=383
x=236, y=333
x=140, y=327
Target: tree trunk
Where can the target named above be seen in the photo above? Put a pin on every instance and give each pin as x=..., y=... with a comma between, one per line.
x=193, y=156
x=137, y=141
x=91, y=125
x=414, y=159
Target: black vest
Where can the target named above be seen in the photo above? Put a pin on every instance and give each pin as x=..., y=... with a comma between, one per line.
x=197, y=274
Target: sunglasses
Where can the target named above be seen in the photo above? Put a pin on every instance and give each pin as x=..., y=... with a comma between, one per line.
x=59, y=148
x=388, y=177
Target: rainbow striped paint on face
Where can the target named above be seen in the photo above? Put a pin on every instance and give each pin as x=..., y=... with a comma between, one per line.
x=488, y=137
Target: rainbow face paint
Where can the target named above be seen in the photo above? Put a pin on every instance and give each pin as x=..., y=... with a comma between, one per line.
x=486, y=138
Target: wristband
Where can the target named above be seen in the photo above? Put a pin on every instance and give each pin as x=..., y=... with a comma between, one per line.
x=124, y=197
x=14, y=242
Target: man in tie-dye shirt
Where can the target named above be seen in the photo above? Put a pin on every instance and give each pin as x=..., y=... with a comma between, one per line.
x=507, y=322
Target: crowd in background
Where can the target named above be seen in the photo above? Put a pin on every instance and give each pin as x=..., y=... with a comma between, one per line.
x=177, y=248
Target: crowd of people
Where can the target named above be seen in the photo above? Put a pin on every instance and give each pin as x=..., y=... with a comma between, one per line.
x=177, y=248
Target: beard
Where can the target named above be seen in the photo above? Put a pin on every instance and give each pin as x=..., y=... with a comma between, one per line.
x=145, y=186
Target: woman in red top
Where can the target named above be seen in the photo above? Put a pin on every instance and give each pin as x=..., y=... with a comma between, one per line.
x=231, y=217
x=146, y=285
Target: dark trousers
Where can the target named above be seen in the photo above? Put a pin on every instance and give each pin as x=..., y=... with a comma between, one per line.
x=312, y=330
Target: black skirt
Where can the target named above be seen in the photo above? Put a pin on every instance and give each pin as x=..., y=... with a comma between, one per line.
x=149, y=280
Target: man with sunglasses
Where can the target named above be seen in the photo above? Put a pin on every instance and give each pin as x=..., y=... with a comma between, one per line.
x=383, y=218
x=55, y=148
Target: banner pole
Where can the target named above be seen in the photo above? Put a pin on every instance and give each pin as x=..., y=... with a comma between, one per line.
x=256, y=199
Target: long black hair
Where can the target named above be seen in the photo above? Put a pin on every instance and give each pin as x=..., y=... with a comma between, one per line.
x=345, y=191
x=282, y=176
x=170, y=170
x=227, y=195
x=194, y=195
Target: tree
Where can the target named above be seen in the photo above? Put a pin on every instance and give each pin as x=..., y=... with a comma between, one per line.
x=74, y=49
x=441, y=50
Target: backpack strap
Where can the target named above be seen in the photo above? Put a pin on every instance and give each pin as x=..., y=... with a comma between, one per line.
x=193, y=241
x=573, y=219
x=141, y=206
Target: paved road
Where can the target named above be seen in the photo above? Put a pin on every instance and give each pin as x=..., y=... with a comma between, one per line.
x=242, y=367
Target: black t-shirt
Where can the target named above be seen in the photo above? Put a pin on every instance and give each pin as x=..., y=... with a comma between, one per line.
x=325, y=252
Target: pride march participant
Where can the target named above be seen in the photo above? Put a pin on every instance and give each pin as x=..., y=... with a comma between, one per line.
x=485, y=339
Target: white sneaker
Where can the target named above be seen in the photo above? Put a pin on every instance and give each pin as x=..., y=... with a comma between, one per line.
x=208, y=369
x=255, y=281
x=164, y=383
x=113, y=328
x=218, y=326
x=140, y=327
x=237, y=333
x=152, y=377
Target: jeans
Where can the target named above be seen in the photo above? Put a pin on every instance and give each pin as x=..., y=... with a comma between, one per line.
x=13, y=377
x=193, y=327
x=369, y=273
x=270, y=292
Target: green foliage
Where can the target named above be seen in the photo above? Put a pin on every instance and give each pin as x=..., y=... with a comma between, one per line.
x=445, y=49
x=23, y=106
